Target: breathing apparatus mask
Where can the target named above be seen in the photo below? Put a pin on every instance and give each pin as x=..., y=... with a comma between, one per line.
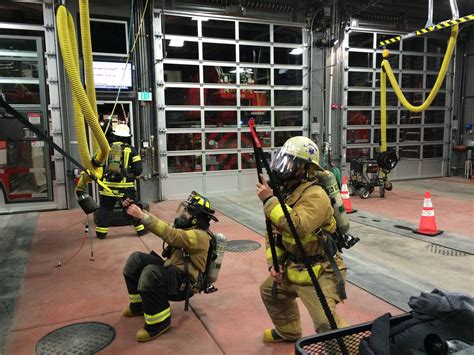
x=195, y=212
x=285, y=167
x=294, y=160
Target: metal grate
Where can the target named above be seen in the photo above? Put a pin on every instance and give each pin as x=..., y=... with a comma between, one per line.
x=332, y=347
x=241, y=246
x=80, y=338
x=438, y=249
x=326, y=343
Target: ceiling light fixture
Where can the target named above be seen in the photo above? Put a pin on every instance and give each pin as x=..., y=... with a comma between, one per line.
x=297, y=51
x=176, y=42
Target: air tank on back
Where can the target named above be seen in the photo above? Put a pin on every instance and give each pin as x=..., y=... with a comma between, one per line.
x=328, y=179
x=215, y=267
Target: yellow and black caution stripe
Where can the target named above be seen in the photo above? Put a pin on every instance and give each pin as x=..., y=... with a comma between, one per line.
x=439, y=26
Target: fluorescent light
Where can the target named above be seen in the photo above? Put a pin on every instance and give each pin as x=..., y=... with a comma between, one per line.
x=242, y=70
x=297, y=51
x=176, y=42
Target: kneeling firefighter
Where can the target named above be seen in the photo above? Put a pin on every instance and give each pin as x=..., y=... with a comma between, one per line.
x=152, y=282
x=122, y=167
x=296, y=167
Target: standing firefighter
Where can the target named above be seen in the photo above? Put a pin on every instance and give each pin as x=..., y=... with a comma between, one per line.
x=153, y=282
x=310, y=209
x=122, y=167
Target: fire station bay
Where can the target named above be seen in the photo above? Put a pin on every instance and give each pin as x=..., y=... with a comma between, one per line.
x=331, y=137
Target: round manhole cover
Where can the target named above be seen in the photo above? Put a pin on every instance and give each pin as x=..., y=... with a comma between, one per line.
x=240, y=246
x=80, y=338
x=438, y=249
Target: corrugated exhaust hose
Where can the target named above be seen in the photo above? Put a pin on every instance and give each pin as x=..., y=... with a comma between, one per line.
x=84, y=104
x=387, y=71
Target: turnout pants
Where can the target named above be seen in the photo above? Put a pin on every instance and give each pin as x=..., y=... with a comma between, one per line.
x=284, y=310
x=151, y=286
x=104, y=212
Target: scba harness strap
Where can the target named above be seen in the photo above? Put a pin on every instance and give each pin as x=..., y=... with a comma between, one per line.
x=330, y=245
x=202, y=282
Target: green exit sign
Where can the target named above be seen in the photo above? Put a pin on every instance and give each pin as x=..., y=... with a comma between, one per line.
x=144, y=96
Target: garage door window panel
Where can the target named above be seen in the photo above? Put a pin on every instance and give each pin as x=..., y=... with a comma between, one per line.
x=180, y=73
x=183, y=119
x=185, y=164
x=262, y=118
x=215, y=119
x=288, y=118
x=219, y=162
x=183, y=141
x=221, y=140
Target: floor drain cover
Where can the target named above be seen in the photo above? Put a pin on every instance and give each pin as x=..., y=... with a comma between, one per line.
x=438, y=249
x=240, y=246
x=80, y=338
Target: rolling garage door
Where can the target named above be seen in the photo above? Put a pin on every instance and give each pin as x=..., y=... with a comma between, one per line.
x=420, y=139
x=213, y=75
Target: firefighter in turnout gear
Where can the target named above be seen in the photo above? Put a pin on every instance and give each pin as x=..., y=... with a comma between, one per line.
x=151, y=281
x=122, y=167
x=310, y=209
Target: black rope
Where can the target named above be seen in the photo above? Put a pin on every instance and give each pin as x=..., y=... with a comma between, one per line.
x=268, y=224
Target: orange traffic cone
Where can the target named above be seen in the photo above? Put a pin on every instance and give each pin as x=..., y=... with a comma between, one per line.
x=427, y=220
x=346, y=199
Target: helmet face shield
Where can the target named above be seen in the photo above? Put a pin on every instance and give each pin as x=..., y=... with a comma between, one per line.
x=284, y=165
x=182, y=211
x=296, y=152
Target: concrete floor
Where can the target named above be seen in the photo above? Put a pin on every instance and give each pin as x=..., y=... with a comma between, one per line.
x=229, y=321
x=386, y=267
x=390, y=262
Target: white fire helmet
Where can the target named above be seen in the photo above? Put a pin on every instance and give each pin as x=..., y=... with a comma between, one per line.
x=121, y=130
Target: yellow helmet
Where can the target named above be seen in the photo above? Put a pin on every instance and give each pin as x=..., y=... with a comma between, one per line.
x=297, y=151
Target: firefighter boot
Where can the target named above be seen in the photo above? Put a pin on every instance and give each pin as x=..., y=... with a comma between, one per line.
x=152, y=333
x=132, y=311
x=271, y=336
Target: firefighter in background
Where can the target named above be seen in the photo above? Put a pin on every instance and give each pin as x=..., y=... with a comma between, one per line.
x=122, y=167
x=311, y=211
x=153, y=282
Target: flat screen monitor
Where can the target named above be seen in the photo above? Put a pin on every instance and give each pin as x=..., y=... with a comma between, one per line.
x=112, y=75
x=109, y=37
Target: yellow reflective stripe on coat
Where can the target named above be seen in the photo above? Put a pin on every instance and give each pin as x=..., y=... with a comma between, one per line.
x=135, y=298
x=288, y=238
x=102, y=229
x=277, y=213
x=157, y=318
x=136, y=158
x=126, y=156
x=301, y=276
x=119, y=185
x=279, y=252
x=139, y=227
x=330, y=226
x=112, y=193
x=104, y=186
